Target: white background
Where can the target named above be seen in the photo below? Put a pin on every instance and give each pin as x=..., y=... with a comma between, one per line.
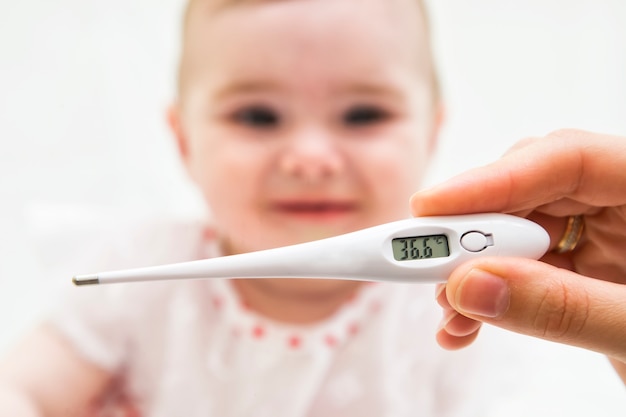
x=83, y=91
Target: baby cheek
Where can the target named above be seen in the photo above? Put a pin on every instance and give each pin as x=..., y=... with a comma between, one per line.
x=231, y=180
x=399, y=164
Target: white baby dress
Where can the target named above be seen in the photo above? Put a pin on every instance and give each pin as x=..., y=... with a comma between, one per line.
x=192, y=349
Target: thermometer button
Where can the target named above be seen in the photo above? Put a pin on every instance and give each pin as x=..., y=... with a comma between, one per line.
x=476, y=241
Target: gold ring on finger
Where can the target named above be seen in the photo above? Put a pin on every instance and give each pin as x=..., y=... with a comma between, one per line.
x=571, y=236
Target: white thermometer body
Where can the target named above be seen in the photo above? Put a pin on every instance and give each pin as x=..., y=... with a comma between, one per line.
x=425, y=249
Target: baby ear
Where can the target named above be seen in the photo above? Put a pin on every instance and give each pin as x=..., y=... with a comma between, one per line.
x=174, y=120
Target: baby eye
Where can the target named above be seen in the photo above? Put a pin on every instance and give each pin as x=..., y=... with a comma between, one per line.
x=364, y=115
x=257, y=117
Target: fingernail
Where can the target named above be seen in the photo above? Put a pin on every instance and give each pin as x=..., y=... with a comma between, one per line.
x=439, y=289
x=447, y=318
x=440, y=297
x=415, y=202
x=483, y=293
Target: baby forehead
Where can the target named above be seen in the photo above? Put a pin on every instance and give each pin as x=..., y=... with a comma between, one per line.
x=349, y=35
x=395, y=11
x=336, y=25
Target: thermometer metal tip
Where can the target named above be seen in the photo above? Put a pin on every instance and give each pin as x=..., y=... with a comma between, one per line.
x=91, y=279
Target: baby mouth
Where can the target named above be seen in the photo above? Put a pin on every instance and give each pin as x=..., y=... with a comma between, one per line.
x=318, y=208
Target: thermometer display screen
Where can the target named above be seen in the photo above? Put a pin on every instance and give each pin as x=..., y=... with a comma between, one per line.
x=420, y=247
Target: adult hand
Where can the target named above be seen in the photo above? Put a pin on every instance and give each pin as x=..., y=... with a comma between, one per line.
x=577, y=297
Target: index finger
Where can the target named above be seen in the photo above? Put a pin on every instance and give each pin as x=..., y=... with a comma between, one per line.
x=578, y=165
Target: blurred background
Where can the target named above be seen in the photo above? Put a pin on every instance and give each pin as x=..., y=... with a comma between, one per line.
x=83, y=90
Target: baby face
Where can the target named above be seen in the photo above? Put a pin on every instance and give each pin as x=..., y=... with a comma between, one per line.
x=299, y=120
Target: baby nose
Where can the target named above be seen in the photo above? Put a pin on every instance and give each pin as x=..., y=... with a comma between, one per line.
x=312, y=155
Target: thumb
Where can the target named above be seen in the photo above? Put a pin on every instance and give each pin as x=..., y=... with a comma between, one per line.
x=538, y=299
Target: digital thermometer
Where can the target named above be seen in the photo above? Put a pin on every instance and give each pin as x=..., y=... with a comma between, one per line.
x=425, y=249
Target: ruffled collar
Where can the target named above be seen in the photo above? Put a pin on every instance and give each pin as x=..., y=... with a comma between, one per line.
x=331, y=333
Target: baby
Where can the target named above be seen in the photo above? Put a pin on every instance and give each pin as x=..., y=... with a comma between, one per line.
x=297, y=120
x=300, y=120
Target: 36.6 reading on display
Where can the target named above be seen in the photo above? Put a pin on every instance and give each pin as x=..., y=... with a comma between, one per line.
x=420, y=247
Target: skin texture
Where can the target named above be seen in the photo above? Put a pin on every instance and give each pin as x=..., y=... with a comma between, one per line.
x=575, y=298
